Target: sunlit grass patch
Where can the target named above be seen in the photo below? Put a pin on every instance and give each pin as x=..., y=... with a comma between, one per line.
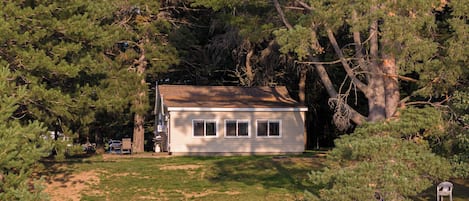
x=198, y=178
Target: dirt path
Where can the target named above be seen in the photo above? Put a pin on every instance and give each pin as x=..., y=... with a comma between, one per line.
x=108, y=156
x=68, y=187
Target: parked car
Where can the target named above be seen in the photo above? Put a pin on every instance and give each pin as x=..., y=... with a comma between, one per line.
x=114, y=145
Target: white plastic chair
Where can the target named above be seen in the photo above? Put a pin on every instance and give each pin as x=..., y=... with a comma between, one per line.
x=444, y=189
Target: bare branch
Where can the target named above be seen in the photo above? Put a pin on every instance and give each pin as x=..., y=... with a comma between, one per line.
x=175, y=22
x=282, y=16
x=294, y=8
x=408, y=79
x=354, y=115
x=182, y=8
x=361, y=86
x=437, y=104
x=342, y=112
x=304, y=5
x=407, y=98
x=323, y=62
x=401, y=77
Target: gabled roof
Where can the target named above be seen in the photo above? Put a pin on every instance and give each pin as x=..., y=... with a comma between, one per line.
x=189, y=96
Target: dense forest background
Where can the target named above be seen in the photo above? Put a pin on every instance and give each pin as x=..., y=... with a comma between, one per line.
x=91, y=67
x=392, y=74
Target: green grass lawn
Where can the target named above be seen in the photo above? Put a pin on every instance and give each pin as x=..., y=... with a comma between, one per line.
x=199, y=178
x=193, y=178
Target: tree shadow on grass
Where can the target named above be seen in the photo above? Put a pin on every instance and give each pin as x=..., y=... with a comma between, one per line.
x=67, y=179
x=57, y=171
x=61, y=171
x=287, y=172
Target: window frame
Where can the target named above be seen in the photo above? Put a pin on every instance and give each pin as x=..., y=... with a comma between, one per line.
x=268, y=121
x=205, y=121
x=237, y=128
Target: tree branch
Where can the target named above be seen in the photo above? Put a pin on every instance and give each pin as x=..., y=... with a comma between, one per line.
x=304, y=5
x=434, y=104
x=363, y=87
x=355, y=117
x=182, y=8
x=282, y=15
x=323, y=62
x=294, y=8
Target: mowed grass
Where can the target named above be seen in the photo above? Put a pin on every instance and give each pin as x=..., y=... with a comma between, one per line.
x=195, y=178
x=201, y=178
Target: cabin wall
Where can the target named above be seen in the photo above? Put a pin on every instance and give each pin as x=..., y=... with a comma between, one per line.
x=182, y=141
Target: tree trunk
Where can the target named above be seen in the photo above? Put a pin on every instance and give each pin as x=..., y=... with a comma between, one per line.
x=249, y=69
x=139, y=134
x=391, y=85
x=376, y=100
x=269, y=59
x=302, y=84
x=139, y=119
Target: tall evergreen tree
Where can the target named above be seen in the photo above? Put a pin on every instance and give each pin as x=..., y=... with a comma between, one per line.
x=83, y=57
x=378, y=44
x=55, y=48
x=142, y=49
x=20, y=141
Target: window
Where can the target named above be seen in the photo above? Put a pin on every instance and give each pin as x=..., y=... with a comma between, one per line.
x=236, y=128
x=268, y=128
x=204, y=128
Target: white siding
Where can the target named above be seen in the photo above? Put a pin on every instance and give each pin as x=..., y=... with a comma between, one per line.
x=183, y=143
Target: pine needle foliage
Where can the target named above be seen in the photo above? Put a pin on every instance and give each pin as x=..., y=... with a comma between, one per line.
x=391, y=160
x=69, y=55
x=21, y=144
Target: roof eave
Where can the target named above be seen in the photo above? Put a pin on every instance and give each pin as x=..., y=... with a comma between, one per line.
x=223, y=109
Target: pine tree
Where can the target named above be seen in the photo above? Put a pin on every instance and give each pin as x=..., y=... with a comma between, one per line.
x=81, y=58
x=392, y=53
x=379, y=44
x=21, y=143
x=142, y=49
x=56, y=50
x=389, y=160
x=455, y=145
